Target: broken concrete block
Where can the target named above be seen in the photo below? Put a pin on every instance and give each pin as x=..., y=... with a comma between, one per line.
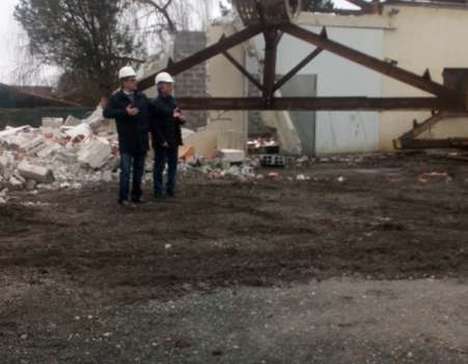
x=49, y=150
x=36, y=173
x=15, y=183
x=79, y=133
x=96, y=119
x=27, y=142
x=30, y=184
x=10, y=132
x=66, y=156
x=186, y=133
x=232, y=155
x=72, y=121
x=95, y=153
x=53, y=123
x=7, y=164
x=205, y=143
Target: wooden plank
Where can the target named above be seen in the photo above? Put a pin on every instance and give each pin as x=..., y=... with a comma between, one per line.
x=316, y=103
x=269, y=70
x=242, y=70
x=368, y=61
x=461, y=143
x=296, y=69
x=419, y=129
x=204, y=55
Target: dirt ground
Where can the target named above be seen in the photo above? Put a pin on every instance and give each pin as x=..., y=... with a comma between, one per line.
x=364, y=263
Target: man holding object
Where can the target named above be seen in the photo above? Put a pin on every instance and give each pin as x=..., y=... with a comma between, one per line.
x=129, y=108
x=166, y=122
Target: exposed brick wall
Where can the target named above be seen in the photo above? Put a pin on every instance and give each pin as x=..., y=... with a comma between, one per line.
x=193, y=81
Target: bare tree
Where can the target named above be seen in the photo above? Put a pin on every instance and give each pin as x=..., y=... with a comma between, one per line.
x=83, y=37
x=161, y=9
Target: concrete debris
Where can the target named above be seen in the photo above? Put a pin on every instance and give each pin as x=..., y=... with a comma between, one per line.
x=35, y=172
x=426, y=177
x=96, y=153
x=53, y=123
x=232, y=155
x=16, y=183
x=302, y=177
x=79, y=133
x=72, y=121
x=96, y=119
x=57, y=155
x=273, y=160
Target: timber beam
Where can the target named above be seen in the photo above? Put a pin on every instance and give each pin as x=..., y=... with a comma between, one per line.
x=457, y=143
x=223, y=45
x=318, y=103
x=368, y=61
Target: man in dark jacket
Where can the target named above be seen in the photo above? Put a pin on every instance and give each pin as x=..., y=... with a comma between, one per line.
x=166, y=121
x=130, y=109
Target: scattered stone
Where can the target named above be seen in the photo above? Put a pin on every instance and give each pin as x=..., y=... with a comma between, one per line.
x=232, y=155
x=36, y=173
x=15, y=183
x=30, y=184
x=72, y=121
x=79, y=133
x=96, y=153
x=53, y=123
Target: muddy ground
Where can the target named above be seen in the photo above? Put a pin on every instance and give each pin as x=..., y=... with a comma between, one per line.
x=364, y=263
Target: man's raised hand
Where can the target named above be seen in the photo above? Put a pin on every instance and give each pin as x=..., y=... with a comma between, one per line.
x=132, y=111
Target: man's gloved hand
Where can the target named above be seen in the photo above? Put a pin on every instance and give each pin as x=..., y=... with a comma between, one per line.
x=132, y=111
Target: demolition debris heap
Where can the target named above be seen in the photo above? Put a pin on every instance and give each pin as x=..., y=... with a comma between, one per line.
x=59, y=154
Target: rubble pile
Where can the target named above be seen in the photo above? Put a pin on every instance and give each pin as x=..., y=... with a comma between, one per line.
x=59, y=154
x=219, y=168
x=70, y=153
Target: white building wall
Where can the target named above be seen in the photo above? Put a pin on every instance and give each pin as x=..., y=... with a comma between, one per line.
x=340, y=132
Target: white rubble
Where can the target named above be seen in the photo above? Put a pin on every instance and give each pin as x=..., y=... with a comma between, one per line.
x=79, y=133
x=35, y=172
x=232, y=155
x=96, y=119
x=57, y=155
x=53, y=123
x=96, y=153
x=72, y=121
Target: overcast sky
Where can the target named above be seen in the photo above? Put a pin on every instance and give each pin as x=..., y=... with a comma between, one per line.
x=9, y=33
x=8, y=38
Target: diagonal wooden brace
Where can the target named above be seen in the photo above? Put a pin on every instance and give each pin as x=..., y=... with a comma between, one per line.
x=373, y=63
x=204, y=55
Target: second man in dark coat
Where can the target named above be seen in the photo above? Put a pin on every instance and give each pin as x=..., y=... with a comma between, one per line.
x=166, y=130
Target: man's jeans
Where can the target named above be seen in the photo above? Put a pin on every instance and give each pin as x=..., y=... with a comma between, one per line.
x=161, y=157
x=128, y=164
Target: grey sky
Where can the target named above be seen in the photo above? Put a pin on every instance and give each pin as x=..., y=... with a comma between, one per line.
x=10, y=31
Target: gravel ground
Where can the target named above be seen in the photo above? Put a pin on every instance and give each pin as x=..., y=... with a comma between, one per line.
x=363, y=263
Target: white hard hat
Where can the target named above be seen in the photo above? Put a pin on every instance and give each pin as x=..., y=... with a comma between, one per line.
x=164, y=77
x=126, y=72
